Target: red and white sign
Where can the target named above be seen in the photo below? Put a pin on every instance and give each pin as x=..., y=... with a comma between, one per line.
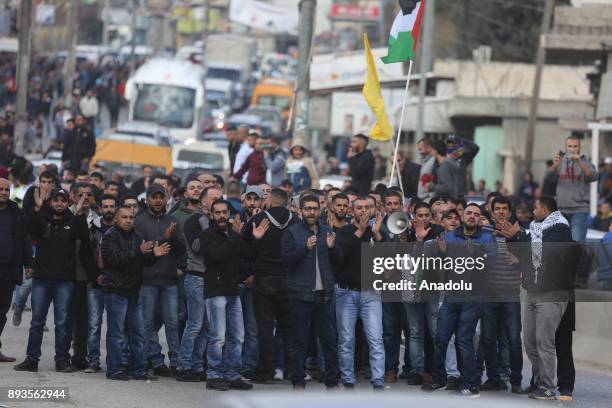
x=354, y=12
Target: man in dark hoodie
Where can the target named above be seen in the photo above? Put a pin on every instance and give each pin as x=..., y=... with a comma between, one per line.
x=361, y=162
x=55, y=233
x=125, y=254
x=467, y=151
x=223, y=248
x=264, y=233
x=15, y=253
x=159, y=290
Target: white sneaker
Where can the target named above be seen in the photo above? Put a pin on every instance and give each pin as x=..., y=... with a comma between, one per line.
x=278, y=374
x=308, y=377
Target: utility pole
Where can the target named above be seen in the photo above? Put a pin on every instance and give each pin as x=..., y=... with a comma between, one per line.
x=106, y=21
x=206, y=6
x=426, y=62
x=535, y=96
x=134, y=27
x=307, y=11
x=71, y=41
x=23, y=68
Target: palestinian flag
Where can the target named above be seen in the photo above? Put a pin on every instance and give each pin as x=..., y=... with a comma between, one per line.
x=404, y=35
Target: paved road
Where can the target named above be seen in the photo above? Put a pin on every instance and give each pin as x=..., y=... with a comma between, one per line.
x=593, y=387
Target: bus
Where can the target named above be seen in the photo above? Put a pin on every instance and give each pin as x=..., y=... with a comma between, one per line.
x=169, y=93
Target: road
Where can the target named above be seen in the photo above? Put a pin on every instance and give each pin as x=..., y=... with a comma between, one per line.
x=593, y=385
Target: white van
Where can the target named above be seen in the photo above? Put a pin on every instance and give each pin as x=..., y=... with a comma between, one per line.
x=200, y=156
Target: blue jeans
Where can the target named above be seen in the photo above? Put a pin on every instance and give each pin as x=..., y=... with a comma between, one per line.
x=22, y=292
x=181, y=305
x=95, y=308
x=43, y=292
x=322, y=314
x=394, y=322
x=416, y=340
x=124, y=322
x=225, y=337
x=165, y=299
x=459, y=319
x=351, y=304
x=193, y=342
x=579, y=224
x=250, y=347
x=498, y=316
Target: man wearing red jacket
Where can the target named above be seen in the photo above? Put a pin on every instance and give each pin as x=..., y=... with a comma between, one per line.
x=255, y=166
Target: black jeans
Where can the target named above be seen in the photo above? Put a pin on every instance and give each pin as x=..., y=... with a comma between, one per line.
x=79, y=323
x=322, y=313
x=271, y=304
x=566, y=373
x=7, y=285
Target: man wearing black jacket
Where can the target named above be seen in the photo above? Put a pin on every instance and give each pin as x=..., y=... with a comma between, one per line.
x=95, y=296
x=80, y=145
x=353, y=300
x=223, y=248
x=125, y=254
x=264, y=233
x=56, y=233
x=15, y=253
x=361, y=162
x=547, y=262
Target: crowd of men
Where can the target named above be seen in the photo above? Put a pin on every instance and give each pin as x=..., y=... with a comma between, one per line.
x=256, y=283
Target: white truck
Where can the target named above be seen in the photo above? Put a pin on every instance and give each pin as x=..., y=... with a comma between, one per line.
x=231, y=57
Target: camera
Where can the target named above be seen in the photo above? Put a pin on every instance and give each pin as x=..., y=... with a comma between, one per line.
x=561, y=154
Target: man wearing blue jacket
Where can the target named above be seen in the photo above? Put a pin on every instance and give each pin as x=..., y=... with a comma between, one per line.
x=461, y=309
x=308, y=250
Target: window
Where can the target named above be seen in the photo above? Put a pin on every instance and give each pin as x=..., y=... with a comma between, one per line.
x=167, y=105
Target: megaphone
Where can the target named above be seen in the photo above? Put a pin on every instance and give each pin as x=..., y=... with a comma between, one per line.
x=398, y=223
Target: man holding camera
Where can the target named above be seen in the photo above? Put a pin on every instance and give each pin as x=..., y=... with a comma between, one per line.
x=573, y=174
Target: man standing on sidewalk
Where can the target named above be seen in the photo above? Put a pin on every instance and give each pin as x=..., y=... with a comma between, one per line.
x=15, y=254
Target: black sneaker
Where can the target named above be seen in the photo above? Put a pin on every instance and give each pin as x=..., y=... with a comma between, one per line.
x=543, y=394
x=378, y=388
x=92, y=368
x=162, y=371
x=565, y=395
x=217, y=384
x=186, y=376
x=79, y=365
x=202, y=376
x=239, y=384
x=414, y=379
x=146, y=377
x=17, y=317
x=490, y=385
x=453, y=383
x=27, y=365
x=516, y=389
x=63, y=367
x=348, y=387
x=432, y=387
x=468, y=393
x=263, y=380
x=119, y=377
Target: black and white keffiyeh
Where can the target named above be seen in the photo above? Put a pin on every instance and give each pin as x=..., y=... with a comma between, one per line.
x=536, y=230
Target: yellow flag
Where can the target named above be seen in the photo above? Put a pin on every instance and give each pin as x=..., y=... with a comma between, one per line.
x=382, y=129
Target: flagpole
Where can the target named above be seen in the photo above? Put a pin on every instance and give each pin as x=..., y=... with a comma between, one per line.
x=399, y=129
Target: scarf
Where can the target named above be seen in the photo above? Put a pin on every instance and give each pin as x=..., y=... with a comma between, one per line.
x=536, y=230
